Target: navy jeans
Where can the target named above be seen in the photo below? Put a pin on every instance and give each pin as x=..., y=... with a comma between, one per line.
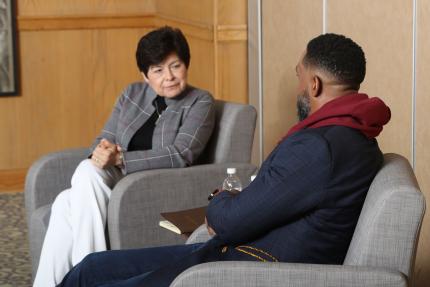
x=119, y=268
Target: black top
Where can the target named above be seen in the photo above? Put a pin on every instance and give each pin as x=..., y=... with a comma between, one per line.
x=142, y=139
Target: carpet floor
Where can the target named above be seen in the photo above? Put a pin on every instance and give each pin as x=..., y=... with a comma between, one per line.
x=15, y=269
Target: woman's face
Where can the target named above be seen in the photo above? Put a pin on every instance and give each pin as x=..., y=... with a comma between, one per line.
x=169, y=78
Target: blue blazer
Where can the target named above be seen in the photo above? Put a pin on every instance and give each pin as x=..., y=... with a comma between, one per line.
x=303, y=205
x=305, y=202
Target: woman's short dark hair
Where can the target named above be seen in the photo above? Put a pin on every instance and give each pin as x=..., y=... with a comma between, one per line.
x=155, y=46
x=338, y=55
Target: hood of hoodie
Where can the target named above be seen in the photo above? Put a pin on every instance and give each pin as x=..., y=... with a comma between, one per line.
x=356, y=111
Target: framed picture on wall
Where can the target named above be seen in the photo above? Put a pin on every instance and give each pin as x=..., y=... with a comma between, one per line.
x=8, y=52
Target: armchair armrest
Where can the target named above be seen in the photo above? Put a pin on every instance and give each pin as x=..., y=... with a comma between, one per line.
x=49, y=175
x=199, y=235
x=137, y=200
x=235, y=273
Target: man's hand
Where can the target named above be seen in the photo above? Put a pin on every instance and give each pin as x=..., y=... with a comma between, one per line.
x=210, y=230
x=212, y=195
x=106, y=154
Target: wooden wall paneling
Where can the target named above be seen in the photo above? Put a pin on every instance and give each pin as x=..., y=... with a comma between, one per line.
x=36, y=8
x=76, y=58
x=231, y=33
x=232, y=12
x=385, y=34
x=85, y=22
x=216, y=55
x=195, y=19
x=191, y=11
x=78, y=78
x=193, y=29
x=287, y=27
x=231, y=48
x=216, y=49
x=12, y=179
x=39, y=105
x=233, y=77
x=422, y=151
x=10, y=121
x=111, y=68
x=70, y=81
x=201, y=71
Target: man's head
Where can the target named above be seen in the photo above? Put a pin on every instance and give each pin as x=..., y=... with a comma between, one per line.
x=331, y=66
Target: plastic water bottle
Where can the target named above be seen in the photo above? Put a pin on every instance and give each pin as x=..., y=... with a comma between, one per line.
x=232, y=182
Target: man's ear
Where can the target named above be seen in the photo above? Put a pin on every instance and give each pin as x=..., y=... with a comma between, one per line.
x=144, y=77
x=316, y=86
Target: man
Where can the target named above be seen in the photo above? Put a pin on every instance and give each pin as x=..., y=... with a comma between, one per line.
x=303, y=205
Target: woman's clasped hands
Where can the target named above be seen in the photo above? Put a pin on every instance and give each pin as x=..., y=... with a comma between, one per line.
x=107, y=154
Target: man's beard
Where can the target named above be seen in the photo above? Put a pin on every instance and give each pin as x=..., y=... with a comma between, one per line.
x=303, y=106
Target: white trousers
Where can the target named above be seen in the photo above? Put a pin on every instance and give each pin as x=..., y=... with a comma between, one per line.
x=77, y=223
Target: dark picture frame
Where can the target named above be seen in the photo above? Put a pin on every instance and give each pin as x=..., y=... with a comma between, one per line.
x=8, y=49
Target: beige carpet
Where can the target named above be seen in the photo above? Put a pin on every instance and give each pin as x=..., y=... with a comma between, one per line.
x=15, y=270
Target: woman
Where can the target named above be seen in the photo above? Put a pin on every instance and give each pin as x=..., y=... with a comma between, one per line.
x=159, y=123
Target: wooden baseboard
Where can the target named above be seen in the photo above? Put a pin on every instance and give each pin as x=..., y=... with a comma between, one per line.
x=12, y=179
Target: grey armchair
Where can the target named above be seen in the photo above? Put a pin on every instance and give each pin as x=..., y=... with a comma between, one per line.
x=382, y=251
x=137, y=200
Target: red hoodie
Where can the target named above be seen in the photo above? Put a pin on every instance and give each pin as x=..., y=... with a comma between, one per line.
x=356, y=110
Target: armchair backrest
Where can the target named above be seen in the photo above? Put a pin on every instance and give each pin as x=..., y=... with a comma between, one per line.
x=388, y=228
x=232, y=138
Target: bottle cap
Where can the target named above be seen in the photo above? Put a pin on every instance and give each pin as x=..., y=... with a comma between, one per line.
x=231, y=170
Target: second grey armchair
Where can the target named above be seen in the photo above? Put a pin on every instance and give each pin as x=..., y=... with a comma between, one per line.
x=381, y=253
x=137, y=200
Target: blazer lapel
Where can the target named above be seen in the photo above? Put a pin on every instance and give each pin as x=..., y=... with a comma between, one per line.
x=137, y=113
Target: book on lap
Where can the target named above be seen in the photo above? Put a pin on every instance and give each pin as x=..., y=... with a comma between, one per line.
x=184, y=221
